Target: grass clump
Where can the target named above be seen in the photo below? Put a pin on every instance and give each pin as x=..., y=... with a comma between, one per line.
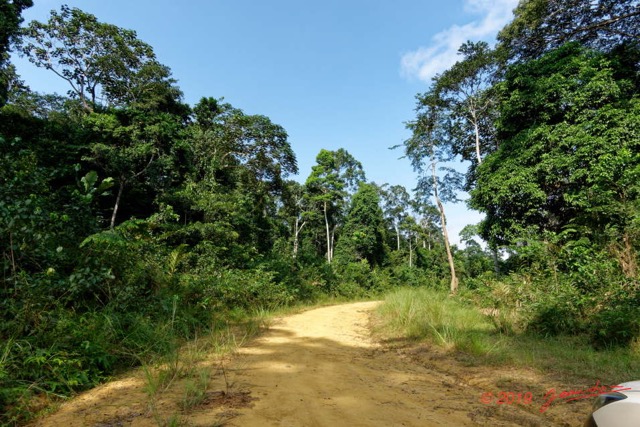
x=456, y=325
x=423, y=313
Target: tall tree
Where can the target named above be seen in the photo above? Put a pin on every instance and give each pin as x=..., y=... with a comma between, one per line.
x=363, y=237
x=427, y=219
x=332, y=179
x=294, y=211
x=543, y=25
x=396, y=202
x=10, y=19
x=102, y=63
x=569, y=153
x=225, y=137
x=468, y=102
x=411, y=231
x=426, y=150
x=109, y=67
x=133, y=146
x=239, y=165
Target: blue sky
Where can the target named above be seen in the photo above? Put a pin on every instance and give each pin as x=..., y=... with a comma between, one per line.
x=334, y=73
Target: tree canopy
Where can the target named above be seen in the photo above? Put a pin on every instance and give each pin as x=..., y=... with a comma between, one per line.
x=10, y=20
x=102, y=63
x=542, y=25
x=568, y=156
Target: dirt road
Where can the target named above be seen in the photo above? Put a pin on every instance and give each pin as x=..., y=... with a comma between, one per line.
x=322, y=368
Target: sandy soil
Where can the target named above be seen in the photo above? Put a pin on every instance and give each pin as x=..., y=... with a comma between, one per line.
x=322, y=368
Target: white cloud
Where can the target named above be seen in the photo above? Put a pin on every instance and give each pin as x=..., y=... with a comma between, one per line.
x=442, y=52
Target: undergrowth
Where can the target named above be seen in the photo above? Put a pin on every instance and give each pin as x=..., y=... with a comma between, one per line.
x=110, y=345
x=454, y=324
x=191, y=367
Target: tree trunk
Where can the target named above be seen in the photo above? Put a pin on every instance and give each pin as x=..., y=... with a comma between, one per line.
x=452, y=268
x=295, y=245
x=496, y=260
x=627, y=258
x=445, y=233
x=326, y=223
x=115, y=208
x=410, y=252
x=14, y=267
x=477, y=135
x=333, y=240
x=397, y=235
x=296, y=236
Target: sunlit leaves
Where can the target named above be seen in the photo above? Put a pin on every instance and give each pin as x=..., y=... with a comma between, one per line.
x=334, y=177
x=102, y=63
x=567, y=156
x=363, y=236
x=540, y=26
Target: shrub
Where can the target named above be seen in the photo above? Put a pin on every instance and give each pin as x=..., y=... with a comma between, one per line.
x=246, y=289
x=615, y=326
x=553, y=318
x=617, y=322
x=356, y=274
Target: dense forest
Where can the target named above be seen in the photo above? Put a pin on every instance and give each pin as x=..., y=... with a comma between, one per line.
x=128, y=216
x=548, y=122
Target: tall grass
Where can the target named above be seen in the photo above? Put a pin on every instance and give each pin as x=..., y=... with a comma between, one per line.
x=424, y=313
x=454, y=324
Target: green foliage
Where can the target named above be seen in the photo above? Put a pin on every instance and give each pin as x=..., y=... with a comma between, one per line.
x=95, y=57
x=562, y=190
x=225, y=137
x=473, y=260
x=547, y=302
x=550, y=122
x=543, y=25
x=128, y=227
x=332, y=179
x=364, y=234
x=567, y=126
x=10, y=19
x=454, y=324
x=617, y=321
x=355, y=279
x=244, y=289
x=464, y=94
x=615, y=326
x=557, y=316
x=396, y=201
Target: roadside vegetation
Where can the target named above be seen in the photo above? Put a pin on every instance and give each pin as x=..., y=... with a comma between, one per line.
x=132, y=223
x=458, y=326
x=548, y=121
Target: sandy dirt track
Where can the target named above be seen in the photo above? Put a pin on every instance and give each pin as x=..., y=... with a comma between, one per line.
x=322, y=368
x=319, y=368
